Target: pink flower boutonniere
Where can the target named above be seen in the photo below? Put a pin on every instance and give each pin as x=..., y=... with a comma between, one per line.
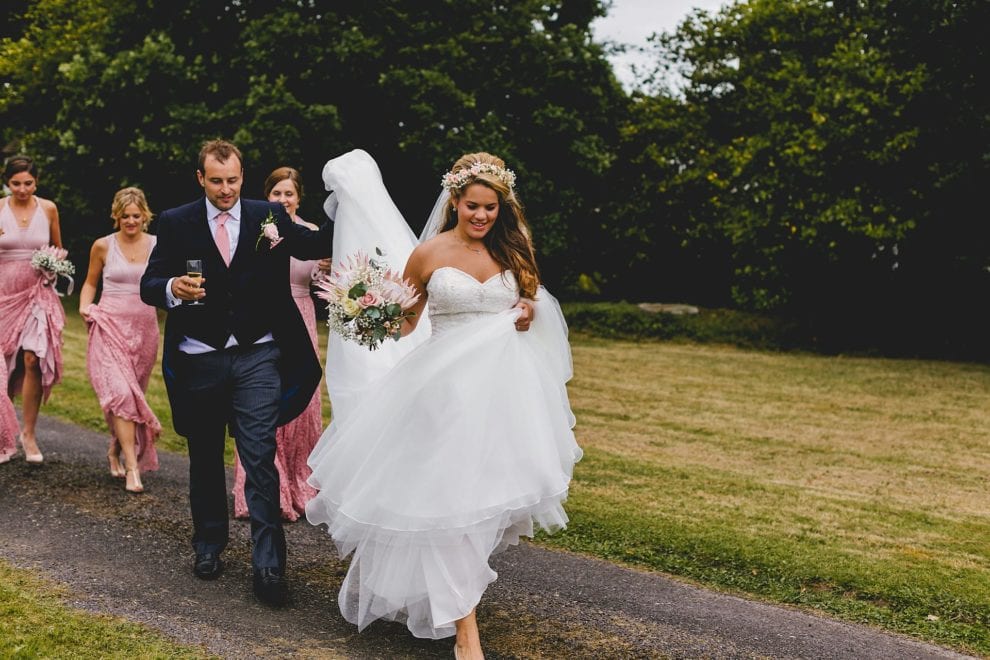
x=269, y=230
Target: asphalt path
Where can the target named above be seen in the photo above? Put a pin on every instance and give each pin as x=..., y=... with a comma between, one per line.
x=129, y=556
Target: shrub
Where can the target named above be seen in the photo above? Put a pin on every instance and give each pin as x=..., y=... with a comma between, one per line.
x=624, y=320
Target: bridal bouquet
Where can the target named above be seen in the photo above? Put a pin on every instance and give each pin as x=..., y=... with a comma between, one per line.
x=52, y=263
x=366, y=300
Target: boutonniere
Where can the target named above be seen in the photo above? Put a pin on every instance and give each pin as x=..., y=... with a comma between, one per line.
x=269, y=230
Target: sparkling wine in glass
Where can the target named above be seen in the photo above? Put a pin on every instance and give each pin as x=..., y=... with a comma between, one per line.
x=194, y=269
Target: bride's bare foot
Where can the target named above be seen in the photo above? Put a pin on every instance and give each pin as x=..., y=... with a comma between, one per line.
x=467, y=645
x=467, y=653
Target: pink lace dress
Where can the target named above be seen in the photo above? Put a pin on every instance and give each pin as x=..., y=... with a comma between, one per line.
x=31, y=315
x=123, y=349
x=295, y=440
x=8, y=420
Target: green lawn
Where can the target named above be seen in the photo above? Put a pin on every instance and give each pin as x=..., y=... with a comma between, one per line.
x=860, y=487
x=856, y=486
x=35, y=623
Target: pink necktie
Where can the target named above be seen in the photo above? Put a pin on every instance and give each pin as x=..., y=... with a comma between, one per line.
x=221, y=237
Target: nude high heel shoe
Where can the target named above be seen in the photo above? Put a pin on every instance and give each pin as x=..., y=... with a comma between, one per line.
x=32, y=459
x=133, y=486
x=116, y=469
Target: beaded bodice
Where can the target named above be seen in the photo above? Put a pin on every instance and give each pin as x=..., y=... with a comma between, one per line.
x=455, y=297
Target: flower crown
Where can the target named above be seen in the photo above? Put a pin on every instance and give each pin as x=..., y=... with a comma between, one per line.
x=454, y=181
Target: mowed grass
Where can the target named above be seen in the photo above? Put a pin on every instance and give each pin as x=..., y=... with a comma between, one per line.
x=35, y=623
x=855, y=486
x=859, y=487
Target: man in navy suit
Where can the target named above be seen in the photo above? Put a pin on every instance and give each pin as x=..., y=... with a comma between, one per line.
x=242, y=359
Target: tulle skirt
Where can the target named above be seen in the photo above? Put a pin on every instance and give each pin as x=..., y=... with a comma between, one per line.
x=463, y=447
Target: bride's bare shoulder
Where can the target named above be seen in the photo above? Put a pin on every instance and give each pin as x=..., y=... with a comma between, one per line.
x=426, y=256
x=429, y=249
x=431, y=245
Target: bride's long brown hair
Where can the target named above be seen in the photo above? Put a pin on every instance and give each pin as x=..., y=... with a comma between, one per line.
x=508, y=241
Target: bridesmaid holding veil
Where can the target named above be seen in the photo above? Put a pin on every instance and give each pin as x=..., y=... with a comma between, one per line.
x=123, y=338
x=461, y=442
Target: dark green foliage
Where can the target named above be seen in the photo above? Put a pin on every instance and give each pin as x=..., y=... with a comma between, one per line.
x=823, y=160
x=132, y=88
x=826, y=160
x=627, y=321
x=937, y=337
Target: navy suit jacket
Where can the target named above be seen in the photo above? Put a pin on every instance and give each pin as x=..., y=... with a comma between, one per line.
x=248, y=299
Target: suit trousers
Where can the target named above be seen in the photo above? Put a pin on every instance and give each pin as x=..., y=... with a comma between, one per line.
x=237, y=387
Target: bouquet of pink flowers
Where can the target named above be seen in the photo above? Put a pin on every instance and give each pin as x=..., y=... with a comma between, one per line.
x=52, y=263
x=366, y=300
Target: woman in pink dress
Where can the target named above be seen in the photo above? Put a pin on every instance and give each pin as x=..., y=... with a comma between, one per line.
x=31, y=315
x=123, y=338
x=8, y=419
x=295, y=440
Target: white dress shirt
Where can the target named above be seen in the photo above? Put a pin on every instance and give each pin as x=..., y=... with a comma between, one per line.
x=233, y=226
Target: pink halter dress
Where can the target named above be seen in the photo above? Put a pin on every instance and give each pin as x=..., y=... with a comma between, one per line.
x=31, y=314
x=123, y=349
x=8, y=420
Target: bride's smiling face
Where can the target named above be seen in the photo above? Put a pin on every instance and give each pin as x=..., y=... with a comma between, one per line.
x=477, y=208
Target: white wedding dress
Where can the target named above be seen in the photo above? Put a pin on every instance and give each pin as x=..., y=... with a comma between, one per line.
x=449, y=455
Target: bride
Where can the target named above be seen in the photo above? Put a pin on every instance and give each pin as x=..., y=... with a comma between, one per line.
x=448, y=445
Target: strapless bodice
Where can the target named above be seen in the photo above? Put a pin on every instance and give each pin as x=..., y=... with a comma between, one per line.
x=456, y=298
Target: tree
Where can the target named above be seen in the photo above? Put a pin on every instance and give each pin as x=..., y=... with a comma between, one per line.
x=134, y=86
x=831, y=151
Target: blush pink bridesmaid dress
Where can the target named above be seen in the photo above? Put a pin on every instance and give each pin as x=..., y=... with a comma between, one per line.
x=123, y=349
x=8, y=421
x=31, y=315
x=295, y=440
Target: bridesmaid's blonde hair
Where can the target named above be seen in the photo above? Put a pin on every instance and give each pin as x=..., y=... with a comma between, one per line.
x=124, y=198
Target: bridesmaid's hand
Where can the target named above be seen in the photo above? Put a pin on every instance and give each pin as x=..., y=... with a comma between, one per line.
x=325, y=265
x=84, y=312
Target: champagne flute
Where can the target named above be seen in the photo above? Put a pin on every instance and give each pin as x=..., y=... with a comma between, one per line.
x=194, y=270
